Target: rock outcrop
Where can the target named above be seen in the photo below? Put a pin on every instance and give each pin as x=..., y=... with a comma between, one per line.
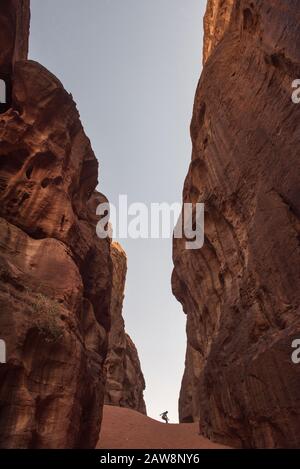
x=216, y=21
x=125, y=381
x=241, y=290
x=59, y=283
x=55, y=274
x=188, y=398
x=14, y=33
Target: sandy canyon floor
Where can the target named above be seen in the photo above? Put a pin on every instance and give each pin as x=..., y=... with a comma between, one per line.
x=127, y=429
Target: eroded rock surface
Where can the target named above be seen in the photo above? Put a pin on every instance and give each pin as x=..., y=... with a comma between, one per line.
x=55, y=274
x=14, y=32
x=188, y=399
x=216, y=22
x=241, y=290
x=125, y=381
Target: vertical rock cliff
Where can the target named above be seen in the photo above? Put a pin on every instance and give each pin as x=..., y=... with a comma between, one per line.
x=241, y=292
x=125, y=381
x=56, y=275
x=216, y=22
x=14, y=32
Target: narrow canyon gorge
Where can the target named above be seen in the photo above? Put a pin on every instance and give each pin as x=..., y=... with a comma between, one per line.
x=62, y=287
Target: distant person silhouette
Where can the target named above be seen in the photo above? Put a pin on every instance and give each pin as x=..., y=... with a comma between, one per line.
x=164, y=416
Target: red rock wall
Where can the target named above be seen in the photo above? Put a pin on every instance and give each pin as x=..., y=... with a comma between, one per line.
x=240, y=292
x=14, y=32
x=125, y=381
x=188, y=399
x=216, y=21
x=55, y=274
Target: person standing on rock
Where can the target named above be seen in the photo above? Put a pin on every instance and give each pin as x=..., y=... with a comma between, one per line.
x=164, y=416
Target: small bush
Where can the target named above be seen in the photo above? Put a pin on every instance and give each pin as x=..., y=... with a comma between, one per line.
x=47, y=320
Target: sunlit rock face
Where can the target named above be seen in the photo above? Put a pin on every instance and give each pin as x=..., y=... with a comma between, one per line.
x=216, y=22
x=241, y=292
x=55, y=274
x=125, y=381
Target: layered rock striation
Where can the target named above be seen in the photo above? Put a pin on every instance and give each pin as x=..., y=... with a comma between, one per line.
x=125, y=381
x=241, y=292
x=216, y=21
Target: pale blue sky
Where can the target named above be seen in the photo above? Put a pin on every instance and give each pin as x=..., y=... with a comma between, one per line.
x=132, y=67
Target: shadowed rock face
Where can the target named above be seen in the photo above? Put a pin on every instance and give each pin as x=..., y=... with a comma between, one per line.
x=125, y=381
x=188, y=399
x=14, y=32
x=59, y=283
x=241, y=290
x=55, y=274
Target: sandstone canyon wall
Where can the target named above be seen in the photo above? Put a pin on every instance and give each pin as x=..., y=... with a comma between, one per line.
x=56, y=275
x=14, y=32
x=241, y=292
x=125, y=381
